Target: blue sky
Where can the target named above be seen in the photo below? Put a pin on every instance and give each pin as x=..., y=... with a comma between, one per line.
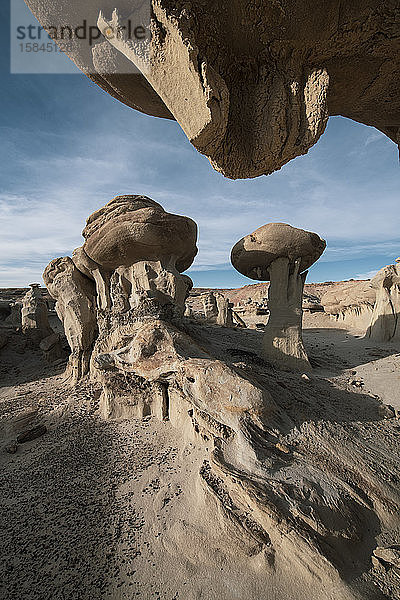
x=68, y=148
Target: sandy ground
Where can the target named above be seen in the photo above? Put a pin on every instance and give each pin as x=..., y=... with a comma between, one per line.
x=113, y=510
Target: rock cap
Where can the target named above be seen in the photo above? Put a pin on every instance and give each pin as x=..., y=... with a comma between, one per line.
x=135, y=228
x=254, y=253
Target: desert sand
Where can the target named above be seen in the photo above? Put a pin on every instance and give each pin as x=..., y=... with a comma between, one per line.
x=115, y=509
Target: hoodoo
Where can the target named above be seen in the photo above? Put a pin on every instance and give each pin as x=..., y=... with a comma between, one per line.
x=385, y=321
x=281, y=254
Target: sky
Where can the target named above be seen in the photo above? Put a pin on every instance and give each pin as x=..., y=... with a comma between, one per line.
x=67, y=148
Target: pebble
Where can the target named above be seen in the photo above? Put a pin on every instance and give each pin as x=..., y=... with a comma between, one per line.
x=12, y=447
x=389, y=555
x=359, y=383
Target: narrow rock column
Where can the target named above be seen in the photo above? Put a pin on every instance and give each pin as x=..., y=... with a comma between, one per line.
x=35, y=313
x=210, y=307
x=283, y=341
x=385, y=321
x=75, y=306
x=224, y=307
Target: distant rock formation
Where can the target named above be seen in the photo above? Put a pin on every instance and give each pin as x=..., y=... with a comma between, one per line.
x=351, y=304
x=210, y=306
x=385, y=321
x=14, y=319
x=217, y=309
x=225, y=315
x=282, y=254
x=35, y=318
x=256, y=94
x=312, y=303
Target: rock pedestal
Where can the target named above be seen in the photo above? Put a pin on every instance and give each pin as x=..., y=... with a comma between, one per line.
x=281, y=254
x=127, y=272
x=283, y=340
x=210, y=307
x=385, y=321
x=224, y=307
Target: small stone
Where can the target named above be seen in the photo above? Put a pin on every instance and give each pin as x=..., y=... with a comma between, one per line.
x=282, y=448
x=389, y=555
x=31, y=434
x=356, y=383
x=12, y=447
x=386, y=411
x=306, y=378
x=376, y=563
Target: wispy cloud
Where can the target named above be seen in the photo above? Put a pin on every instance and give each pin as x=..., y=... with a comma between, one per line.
x=367, y=275
x=373, y=137
x=56, y=177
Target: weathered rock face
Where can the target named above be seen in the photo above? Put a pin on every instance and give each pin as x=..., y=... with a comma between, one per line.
x=252, y=85
x=312, y=303
x=127, y=270
x=210, y=307
x=75, y=305
x=352, y=303
x=281, y=253
x=385, y=321
x=35, y=314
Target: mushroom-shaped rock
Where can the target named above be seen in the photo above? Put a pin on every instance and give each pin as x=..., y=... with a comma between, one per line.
x=130, y=229
x=135, y=249
x=129, y=269
x=252, y=84
x=281, y=254
x=253, y=254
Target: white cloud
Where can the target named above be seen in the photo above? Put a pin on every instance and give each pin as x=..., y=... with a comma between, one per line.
x=14, y=276
x=373, y=137
x=43, y=211
x=367, y=275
